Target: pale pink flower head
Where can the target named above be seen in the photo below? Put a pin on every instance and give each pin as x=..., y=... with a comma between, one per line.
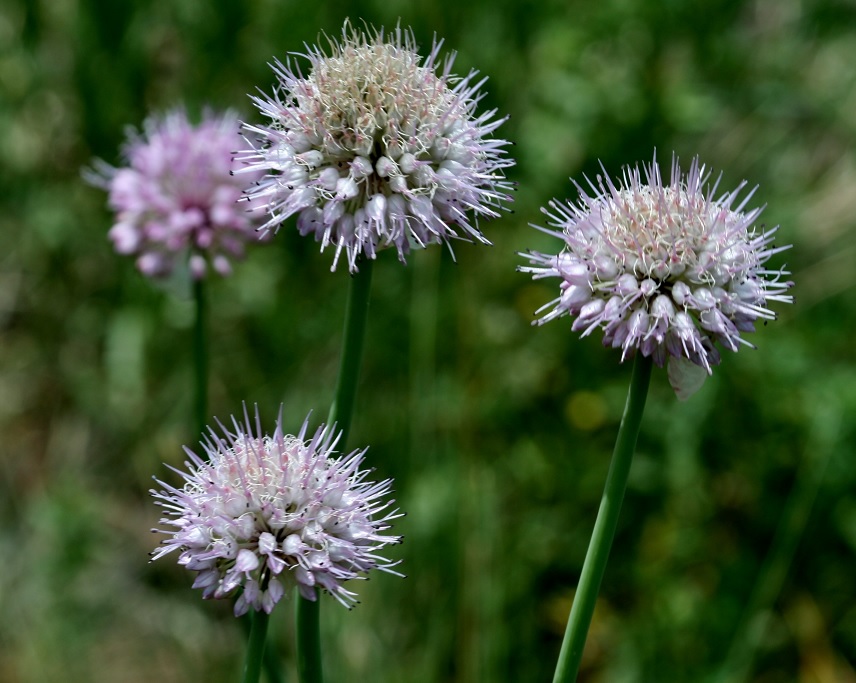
x=267, y=513
x=176, y=200
x=666, y=270
x=374, y=146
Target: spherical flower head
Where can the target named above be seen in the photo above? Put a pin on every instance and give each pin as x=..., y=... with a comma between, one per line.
x=176, y=199
x=665, y=270
x=265, y=513
x=376, y=147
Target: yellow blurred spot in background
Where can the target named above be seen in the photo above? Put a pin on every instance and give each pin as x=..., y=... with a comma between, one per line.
x=585, y=410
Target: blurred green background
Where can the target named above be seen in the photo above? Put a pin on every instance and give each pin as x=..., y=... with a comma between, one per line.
x=498, y=434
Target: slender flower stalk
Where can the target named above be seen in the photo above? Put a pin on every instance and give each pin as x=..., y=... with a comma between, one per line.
x=356, y=314
x=200, y=356
x=309, y=664
x=310, y=668
x=594, y=565
x=256, y=647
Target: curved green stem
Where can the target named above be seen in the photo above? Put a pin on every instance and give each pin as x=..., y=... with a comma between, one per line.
x=256, y=647
x=356, y=312
x=604, y=527
x=200, y=357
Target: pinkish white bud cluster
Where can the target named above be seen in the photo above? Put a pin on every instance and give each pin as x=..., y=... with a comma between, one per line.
x=266, y=513
x=665, y=269
x=176, y=200
x=375, y=148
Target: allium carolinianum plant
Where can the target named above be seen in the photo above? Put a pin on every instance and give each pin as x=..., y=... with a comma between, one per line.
x=176, y=199
x=665, y=269
x=377, y=147
x=266, y=513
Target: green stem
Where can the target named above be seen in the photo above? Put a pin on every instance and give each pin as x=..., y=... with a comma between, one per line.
x=356, y=312
x=604, y=527
x=200, y=357
x=271, y=664
x=308, y=614
x=256, y=647
x=272, y=667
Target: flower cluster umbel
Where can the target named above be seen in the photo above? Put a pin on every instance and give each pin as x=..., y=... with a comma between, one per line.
x=665, y=269
x=270, y=512
x=376, y=147
x=177, y=198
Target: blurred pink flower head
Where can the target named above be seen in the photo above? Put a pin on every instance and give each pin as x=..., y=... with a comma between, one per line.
x=665, y=269
x=377, y=147
x=267, y=513
x=176, y=199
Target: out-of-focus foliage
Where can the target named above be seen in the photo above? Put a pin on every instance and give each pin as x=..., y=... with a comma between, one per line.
x=498, y=434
